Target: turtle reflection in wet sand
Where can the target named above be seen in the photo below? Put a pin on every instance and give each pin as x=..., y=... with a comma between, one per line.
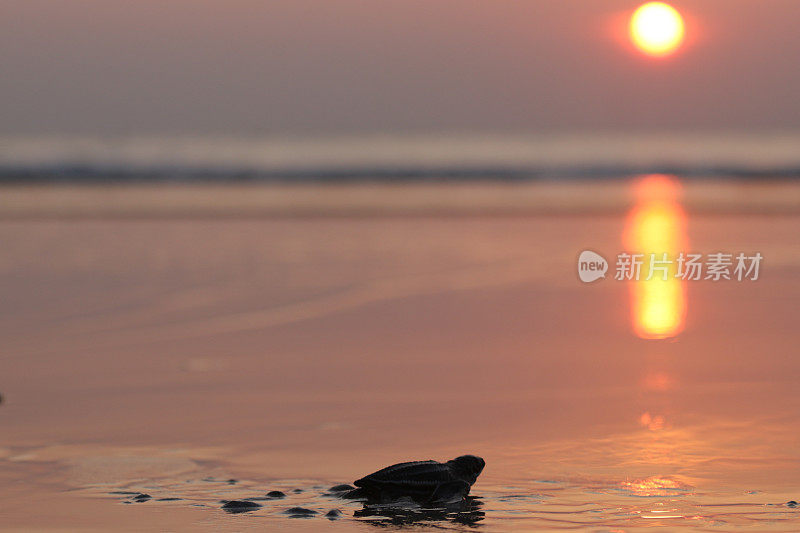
x=467, y=512
x=424, y=482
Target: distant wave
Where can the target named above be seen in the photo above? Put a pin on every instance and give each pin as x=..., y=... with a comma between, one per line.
x=396, y=157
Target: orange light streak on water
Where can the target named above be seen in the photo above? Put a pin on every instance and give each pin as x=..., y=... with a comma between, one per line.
x=657, y=225
x=653, y=486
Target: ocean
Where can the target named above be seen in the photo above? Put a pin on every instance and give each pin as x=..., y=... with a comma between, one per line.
x=202, y=320
x=397, y=157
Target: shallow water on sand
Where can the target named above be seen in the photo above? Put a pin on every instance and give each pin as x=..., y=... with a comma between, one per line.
x=169, y=356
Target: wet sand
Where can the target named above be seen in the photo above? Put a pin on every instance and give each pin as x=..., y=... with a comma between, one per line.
x=167, y=355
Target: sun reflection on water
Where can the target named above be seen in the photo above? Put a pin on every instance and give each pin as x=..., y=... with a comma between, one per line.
x=654, y=486
x=652, y=422
x=656, y=229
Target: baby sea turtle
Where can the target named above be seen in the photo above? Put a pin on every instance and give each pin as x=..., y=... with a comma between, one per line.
x=422, y=481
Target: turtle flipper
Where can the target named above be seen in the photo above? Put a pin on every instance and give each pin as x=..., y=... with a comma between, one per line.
x=449, y=492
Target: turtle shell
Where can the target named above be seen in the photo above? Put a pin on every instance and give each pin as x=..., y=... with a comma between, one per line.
x=420, y=480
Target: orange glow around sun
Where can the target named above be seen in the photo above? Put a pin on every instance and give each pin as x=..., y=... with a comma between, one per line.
x=657, y=29
x=657, y=225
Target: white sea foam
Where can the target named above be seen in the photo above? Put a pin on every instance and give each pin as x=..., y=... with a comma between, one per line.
x=583, y=153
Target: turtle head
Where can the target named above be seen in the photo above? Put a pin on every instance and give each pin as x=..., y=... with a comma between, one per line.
x=467, y=467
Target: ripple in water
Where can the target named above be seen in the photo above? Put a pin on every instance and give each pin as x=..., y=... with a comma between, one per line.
x=628, y=505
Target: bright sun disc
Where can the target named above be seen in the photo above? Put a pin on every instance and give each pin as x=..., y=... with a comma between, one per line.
x=657, y=29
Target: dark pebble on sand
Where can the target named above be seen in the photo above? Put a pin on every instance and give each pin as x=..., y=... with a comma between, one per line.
x=168, y=499
x=240, y=506
x=276, y=494
x=231, y=482
x=297, y=491
x=341, y=488
x=298, y=512
x=141, y=497
x=333, y=514
x=792, y=504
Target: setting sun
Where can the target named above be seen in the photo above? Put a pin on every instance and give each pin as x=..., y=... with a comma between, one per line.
x=657, y=29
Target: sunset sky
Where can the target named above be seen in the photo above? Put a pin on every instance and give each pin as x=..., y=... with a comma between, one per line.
x=297, y=67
